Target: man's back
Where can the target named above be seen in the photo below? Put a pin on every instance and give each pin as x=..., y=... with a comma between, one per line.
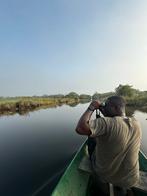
x=115, y=158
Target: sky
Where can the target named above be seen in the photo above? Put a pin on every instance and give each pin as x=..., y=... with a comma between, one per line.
x=59, y=46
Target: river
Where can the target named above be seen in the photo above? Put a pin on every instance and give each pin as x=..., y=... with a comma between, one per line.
x=35, y=148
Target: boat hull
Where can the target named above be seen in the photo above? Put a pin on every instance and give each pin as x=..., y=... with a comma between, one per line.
x=75, y=182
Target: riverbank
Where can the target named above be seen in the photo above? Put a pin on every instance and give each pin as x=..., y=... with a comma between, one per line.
x=138, y=101
x=24, y=104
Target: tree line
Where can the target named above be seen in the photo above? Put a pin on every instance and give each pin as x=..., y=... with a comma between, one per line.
x=127, y=91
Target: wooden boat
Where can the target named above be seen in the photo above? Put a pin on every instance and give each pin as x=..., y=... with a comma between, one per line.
x=76, y=181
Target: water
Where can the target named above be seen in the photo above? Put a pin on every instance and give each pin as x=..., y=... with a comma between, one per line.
x=36, y=148
x=142, y=117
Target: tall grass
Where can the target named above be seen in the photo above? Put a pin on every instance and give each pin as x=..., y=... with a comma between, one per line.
x=28, y=103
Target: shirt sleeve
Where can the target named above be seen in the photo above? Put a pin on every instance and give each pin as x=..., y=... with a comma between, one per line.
x=98, y=126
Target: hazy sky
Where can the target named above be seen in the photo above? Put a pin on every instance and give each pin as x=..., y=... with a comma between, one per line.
x=58, y=46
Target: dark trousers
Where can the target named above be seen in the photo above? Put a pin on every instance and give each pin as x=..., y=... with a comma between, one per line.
x=91, y=143
x=98, y=185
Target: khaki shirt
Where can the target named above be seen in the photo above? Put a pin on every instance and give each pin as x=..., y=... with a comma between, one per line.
x=115, y=159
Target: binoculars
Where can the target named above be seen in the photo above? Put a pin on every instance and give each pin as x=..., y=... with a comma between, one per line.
x=102, y=106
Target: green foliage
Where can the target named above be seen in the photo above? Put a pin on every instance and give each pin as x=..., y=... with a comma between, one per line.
x=95, y=96
x=132, y=96
x=126, y=91
x=56, y=96
x=84, y=96
x=143, y=93
x=137, y=101
x=72, y=95
x=102, y=96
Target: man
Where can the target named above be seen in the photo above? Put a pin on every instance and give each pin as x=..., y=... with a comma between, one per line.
x=115, y=157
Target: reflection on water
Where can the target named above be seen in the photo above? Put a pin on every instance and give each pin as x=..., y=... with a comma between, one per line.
x=130, y=111
x=142, y=119
x=36, y=147
x=26, y=110
x=141, y=115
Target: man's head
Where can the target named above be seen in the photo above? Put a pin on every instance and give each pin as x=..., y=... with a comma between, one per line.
x=114, y=106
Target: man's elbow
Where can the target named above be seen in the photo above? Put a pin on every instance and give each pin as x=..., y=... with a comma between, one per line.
x=79, y=130
x=82, y=131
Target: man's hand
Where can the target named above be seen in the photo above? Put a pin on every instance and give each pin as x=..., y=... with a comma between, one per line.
x=94, y=105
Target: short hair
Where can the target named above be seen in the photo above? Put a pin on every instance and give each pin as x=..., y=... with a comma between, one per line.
x=117, y=101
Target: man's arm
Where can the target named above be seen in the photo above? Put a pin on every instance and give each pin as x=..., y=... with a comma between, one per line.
x=83, y=127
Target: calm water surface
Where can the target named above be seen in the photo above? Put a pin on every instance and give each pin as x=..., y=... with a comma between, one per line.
x=36, y=148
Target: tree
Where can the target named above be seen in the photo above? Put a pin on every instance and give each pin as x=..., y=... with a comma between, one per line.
x=85, y=96
x=72, y=95
x=95, y=96
x=125, y=90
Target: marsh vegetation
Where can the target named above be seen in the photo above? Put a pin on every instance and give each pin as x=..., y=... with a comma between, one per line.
x=21, y=105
